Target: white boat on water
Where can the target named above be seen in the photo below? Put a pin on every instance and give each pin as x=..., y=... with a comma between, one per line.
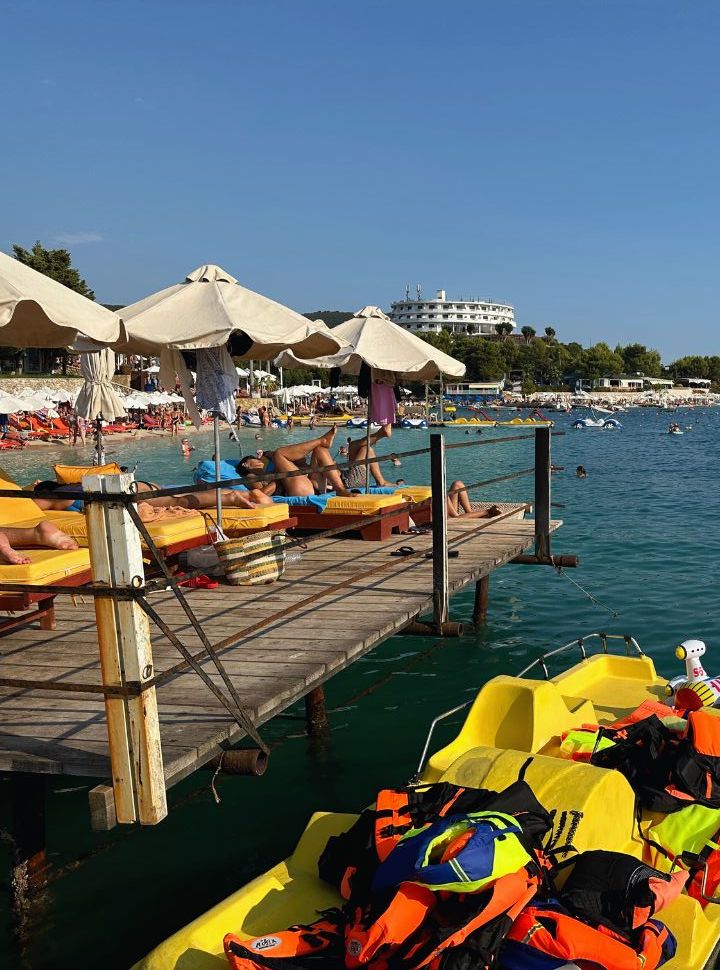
x=607, y=424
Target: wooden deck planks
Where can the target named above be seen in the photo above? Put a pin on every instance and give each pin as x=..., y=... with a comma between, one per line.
x=325, y=630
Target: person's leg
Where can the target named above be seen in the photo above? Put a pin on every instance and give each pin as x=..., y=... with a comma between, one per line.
x=321, y=460
x=358, y=450
x=46, y=535
x=458, y=504
x=296, y=452
x=459, y=496
x=296, y=484
x=207, y=500
x=8, y=554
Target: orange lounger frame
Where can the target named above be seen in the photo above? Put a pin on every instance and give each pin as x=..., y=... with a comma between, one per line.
x=390, y=513
x=45, y=602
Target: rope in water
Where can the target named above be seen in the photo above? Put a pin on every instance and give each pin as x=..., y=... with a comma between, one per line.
x=593, y=599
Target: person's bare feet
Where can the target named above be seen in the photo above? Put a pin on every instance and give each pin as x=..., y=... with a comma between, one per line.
x=328, y=438
x=9, y=555
x=50, y=536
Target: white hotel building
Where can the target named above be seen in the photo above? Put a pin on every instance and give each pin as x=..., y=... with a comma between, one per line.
x=475, y=317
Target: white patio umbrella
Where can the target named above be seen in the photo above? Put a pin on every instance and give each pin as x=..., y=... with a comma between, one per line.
x=11, y=403
x=98, y=400
x=375, y=341
x=208, y=310
x=36, y=311
x=34, y=401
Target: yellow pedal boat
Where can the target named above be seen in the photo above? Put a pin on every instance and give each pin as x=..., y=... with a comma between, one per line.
x=513, y=422
x=509, y=719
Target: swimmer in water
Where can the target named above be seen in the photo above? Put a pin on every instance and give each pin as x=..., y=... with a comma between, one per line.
x=186, y=448
x=580, y=471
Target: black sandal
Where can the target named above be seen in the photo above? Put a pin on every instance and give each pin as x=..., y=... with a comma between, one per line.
x=403, y=551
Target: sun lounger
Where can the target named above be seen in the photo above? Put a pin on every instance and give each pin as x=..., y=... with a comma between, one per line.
x=60, y=567
x=418, y=495
x=315, y=513
x=240, y=522
x=171, y=535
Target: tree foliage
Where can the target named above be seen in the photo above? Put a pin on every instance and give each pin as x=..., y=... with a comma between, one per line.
x=55, y=263
x=332, y=318
x=546, y=362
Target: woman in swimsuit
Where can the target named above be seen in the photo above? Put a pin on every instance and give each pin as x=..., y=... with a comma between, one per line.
x=293, y=458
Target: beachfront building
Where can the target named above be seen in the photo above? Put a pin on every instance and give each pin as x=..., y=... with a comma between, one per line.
x=463, y=317
x=701, y=384
x=474, y=393
x=658, y=384
x=621, y=383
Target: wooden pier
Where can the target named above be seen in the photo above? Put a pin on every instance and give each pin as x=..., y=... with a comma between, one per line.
x=320, y=633
x=142, y=682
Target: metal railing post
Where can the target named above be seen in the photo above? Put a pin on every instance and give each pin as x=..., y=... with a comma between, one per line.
x=542, y=492
x=126, y=659
x=441, y=590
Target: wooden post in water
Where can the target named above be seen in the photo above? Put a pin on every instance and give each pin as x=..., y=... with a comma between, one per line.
x=542, y=493
x=125, y=657
x=27, y=831
x=315, y=714
x=482, y=595
x=441, y=590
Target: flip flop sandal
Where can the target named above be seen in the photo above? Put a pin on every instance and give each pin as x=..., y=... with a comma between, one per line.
x=403, y=551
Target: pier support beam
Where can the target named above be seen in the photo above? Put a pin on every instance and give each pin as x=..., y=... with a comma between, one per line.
x=316, y=718
x=126, y=659
x=419, y=628
x=27, y=824
x=441, y=587
x=482, y=595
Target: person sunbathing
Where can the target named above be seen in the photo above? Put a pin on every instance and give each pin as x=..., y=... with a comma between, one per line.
x=69, y=500
x=45, y=536
x=294, y=458
x=358, y=450
x=197, y=501
x=458, y=504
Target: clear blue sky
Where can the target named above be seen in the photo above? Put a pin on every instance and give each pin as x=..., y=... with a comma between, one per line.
x=559, y=154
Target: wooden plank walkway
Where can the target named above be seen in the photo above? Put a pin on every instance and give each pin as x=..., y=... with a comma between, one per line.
x=53, y=732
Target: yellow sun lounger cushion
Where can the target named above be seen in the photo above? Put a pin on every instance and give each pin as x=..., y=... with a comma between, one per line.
x=17, y=512
x=164, y=532
x=47, y=566
x=414, y=493
x=360, y=504
x=258, y=518
x=72, y=474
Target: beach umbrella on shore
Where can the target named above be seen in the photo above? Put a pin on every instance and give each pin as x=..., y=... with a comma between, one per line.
x=98, y=400
x=36, y=311
x=378, y=348
x=211, y=314
x=11, y=403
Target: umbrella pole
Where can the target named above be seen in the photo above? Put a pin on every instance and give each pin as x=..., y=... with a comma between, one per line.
x=367, y=442
x=442, y=412
x=99, y=448
x=218, y=493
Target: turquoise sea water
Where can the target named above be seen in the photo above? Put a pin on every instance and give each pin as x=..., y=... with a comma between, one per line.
x=644, y=526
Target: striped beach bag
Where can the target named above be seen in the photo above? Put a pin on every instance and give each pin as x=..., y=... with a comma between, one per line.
x=254, y=559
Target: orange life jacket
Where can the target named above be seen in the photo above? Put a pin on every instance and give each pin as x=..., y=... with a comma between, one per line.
x=324, y=935
x=549, y=930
